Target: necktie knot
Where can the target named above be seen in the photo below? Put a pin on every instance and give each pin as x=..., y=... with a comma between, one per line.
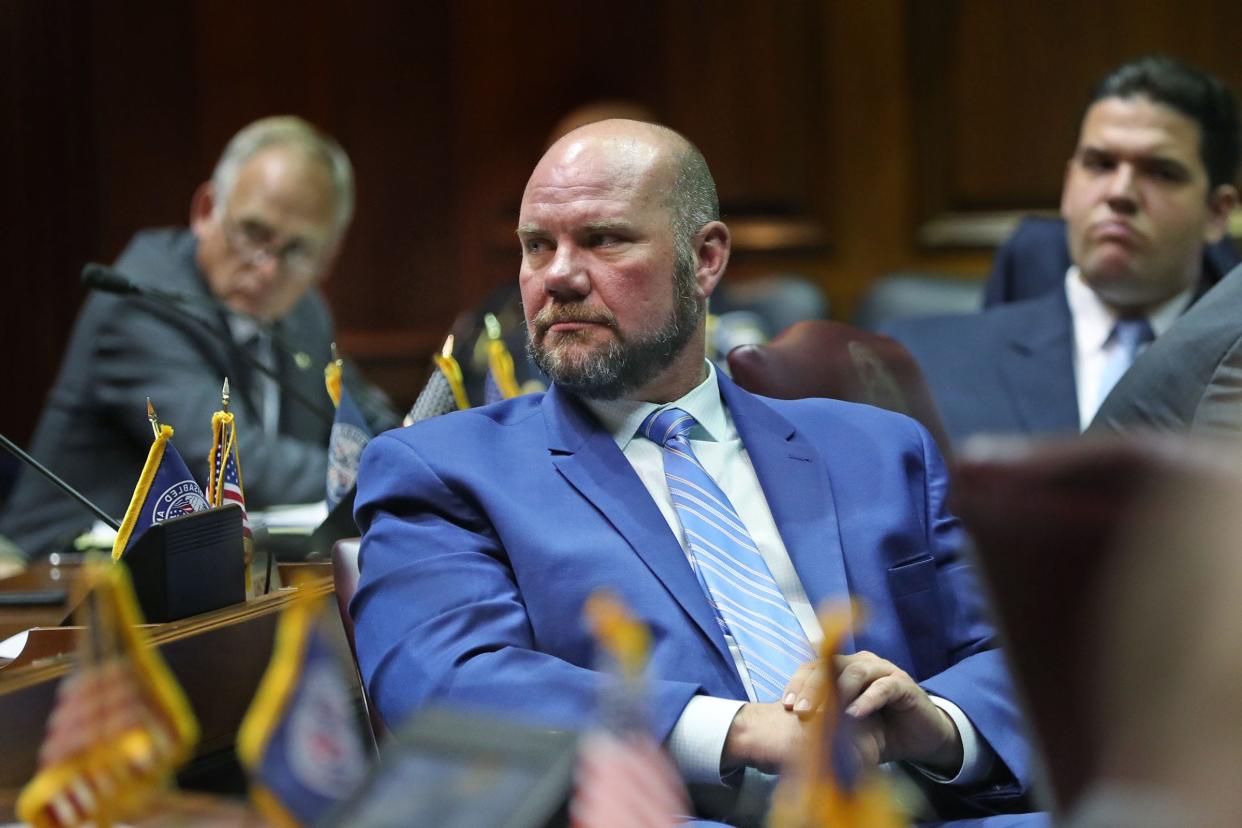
x=1132, y=333
x=666, y=425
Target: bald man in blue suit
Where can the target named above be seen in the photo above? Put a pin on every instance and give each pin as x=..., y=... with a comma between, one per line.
x=486, y=530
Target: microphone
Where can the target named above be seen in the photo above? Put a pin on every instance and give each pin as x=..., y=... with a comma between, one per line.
x=82, y=499
x=103, y=278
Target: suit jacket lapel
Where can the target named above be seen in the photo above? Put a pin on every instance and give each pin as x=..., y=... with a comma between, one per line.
x=798, y=490
x=587, y=456
x=1037, y=367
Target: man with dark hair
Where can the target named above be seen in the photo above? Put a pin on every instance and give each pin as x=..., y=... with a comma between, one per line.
x=264, y=231
x=1149, y=184
x=719, y=517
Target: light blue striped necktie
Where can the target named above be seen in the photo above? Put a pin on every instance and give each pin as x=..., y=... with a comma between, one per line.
x=1127, y=336
x=735, y=578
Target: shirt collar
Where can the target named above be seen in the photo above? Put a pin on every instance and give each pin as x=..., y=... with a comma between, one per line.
x=623, y=417
x=243, y=328
x=1094, y=320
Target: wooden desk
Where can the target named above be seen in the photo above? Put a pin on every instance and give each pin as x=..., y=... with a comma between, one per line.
x=39, y=576
x=218, y=657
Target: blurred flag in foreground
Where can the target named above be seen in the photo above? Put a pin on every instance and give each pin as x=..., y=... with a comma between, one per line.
x=624, y=777
x=301, y=740
x=165, y=489
x=827, y=787
x=224, y=480
x=501, y=382
x=445, y=390
x=121, y=724
x=350, y=434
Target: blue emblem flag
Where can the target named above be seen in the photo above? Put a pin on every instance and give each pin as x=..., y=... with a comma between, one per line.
x=301, y=740
x=165, y=489
x=350, y=435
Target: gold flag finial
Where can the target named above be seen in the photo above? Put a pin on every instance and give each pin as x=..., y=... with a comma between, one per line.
x=447, y=350
x=336, y=355
x=155, y=421
x=224, y=395
x=493, y=326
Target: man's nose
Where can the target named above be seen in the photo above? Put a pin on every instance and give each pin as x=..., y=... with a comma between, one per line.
x=1122, y=195
x=567, y=274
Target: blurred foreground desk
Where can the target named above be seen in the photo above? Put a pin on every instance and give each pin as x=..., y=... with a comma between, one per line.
x=218, y=657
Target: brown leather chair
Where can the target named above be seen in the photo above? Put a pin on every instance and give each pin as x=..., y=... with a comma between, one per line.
x=820, y=358
x=1071, y=536
x=345, y=584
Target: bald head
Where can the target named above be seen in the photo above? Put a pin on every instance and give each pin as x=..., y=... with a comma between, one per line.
x=620, y=251
x=654, y=154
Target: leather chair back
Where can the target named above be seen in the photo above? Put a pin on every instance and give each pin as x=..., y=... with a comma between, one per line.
x=820, y=358
x=345, y=584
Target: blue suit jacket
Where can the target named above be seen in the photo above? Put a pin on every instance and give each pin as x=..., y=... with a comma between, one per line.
x=1006, y=370
x=485, y=531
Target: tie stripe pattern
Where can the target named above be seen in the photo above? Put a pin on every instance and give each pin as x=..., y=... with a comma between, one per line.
x=736, y=580
x=1128, y=335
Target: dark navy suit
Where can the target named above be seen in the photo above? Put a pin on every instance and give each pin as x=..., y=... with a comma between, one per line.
x=1006, y=370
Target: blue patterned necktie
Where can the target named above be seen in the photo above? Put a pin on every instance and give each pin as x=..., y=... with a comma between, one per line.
x=748, y=605
x=1128, y=335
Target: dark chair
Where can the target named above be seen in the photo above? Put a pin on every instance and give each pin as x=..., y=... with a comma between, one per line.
x=819, y=358
x=910, y=295
x=1070, y=536
x=345, y=584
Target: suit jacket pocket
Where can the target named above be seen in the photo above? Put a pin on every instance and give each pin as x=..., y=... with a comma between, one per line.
x=916, y=599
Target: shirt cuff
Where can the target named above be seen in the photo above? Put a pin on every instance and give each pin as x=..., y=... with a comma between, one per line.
x=977, y=755
x=697, y=740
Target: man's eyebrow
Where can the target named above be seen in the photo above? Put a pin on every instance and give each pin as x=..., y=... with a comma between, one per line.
x=528, y=230
x=606, y=225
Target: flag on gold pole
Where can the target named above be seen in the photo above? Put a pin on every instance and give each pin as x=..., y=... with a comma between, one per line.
x=121, y=724
x=827, y=787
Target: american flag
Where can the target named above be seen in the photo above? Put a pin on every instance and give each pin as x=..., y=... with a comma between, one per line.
x=626, y=780
x=120, y=726
x=225, y=484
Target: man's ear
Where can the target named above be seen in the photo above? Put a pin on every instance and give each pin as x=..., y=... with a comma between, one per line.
x=1221, y=204
x=713, y=244
x=202, y=206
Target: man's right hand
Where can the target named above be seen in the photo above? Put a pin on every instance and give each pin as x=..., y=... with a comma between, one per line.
x=764, y=736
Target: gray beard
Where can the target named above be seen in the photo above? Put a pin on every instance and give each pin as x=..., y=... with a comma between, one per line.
x=623, y=366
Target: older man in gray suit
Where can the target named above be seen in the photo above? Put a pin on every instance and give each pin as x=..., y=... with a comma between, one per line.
x=264, y=232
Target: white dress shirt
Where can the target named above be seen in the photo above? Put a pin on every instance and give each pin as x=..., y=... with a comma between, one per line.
x=1093, y=325
x=697, y=741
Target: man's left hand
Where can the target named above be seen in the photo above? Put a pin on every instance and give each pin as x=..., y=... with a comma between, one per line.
x=895, y=718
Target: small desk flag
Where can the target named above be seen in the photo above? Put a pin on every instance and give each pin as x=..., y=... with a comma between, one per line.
x=350, y=435
x=624, y=778
x=301, y=740
x=827, y=787
x=121, y=724
x=224, y=484
x=501, y=382
x=165, y=489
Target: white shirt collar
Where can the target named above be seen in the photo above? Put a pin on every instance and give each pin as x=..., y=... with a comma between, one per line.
x=1094, y=320
x=623, y=417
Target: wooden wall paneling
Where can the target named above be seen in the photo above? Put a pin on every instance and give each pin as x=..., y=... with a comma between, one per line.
x=1000, y=89
x=46, y=181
